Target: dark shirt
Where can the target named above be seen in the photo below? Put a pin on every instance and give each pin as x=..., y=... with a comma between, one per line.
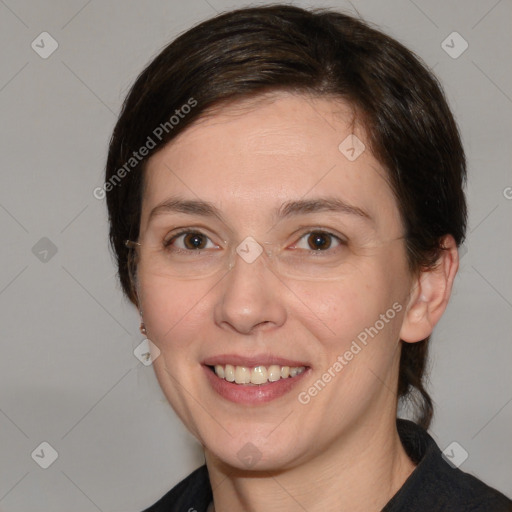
x=433, y=486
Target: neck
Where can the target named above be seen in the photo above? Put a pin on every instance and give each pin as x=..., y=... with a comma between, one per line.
x=360, y=473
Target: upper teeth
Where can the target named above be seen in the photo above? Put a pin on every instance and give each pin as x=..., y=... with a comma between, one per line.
x=256, y=375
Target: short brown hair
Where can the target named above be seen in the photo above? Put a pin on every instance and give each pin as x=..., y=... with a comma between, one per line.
x=247, y=52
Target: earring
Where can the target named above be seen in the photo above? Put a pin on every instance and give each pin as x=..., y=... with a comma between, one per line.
x=142, y=326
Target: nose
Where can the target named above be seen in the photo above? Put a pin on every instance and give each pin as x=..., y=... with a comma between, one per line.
x=250, y=298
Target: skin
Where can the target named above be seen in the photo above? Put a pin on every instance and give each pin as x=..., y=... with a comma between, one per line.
x=340, y=451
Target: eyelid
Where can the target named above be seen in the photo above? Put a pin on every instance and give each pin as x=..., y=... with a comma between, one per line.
x=341, y=240
x=305, y=231
x=168, y=240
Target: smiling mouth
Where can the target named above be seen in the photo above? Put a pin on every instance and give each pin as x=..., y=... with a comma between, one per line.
x=256, y=375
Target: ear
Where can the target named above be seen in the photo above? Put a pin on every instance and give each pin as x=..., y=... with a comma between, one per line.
x=430, y=292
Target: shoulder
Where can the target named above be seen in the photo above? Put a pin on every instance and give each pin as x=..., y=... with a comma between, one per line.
x=436, y=484
x=472, y=494
x=458, y=490
x=192, y=494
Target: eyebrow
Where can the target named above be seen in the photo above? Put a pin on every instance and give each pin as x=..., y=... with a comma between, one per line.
x=287, y=209
x=188, y=206
x=325, y=204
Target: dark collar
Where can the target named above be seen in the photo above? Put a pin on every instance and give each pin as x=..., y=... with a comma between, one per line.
x=434, y=485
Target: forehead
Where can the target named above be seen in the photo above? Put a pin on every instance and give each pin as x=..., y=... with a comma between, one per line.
x=277, y=123
x=257, y=154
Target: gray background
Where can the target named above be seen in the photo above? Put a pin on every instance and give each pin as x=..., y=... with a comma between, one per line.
x=68, y=373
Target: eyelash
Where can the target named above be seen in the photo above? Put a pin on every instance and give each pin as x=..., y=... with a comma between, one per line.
x=167, y=244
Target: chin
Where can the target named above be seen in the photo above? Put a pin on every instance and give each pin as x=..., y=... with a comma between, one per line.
x=253, y=453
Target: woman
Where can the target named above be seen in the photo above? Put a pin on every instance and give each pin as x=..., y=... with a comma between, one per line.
x=286, y=204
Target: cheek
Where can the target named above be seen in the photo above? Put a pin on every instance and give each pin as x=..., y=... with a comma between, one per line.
x=361, y=314
x=340, y=310
x=172, y=308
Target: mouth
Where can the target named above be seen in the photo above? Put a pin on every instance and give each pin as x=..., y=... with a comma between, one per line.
x=257, y=375
x=253, y=381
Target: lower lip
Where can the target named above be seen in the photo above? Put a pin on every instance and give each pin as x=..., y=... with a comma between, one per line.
x=252, y=395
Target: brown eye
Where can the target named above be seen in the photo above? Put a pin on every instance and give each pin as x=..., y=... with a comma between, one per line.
x=194, y=241
x=319, y=241
x=190, y=241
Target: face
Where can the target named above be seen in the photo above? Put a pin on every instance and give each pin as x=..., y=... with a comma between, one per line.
x=318, y=291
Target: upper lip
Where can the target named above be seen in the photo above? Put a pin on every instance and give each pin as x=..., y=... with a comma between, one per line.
x=251, y=361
